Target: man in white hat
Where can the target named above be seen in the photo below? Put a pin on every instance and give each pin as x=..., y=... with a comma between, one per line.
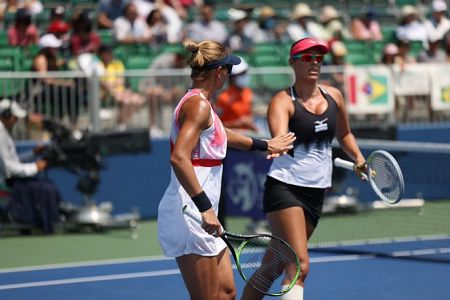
x=437, y=25
x=410, y=27
x=34, y=201
x=303, y=25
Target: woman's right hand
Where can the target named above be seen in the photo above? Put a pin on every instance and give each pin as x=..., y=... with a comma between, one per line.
x=210, y=223
x=41, y=164
x=280, y=145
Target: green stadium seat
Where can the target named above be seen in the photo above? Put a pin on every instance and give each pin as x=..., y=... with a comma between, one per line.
x=138, y=62
x=377, y=50
x=359, y=58
x=267, y=61
x=3, y=38
x=266, y=49
x=12, y=54
x=415, y=48
x=30, y=51
x=42, y=19
x=106, y=36
x=83, y=4
x=274, y=81
x=6, y=64
x=8, y=20
x=405, y=2
x=51, y=3
x=356, y=45
x=26, y=64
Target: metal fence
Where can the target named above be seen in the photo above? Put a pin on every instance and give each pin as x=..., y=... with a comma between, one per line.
x=146, y=98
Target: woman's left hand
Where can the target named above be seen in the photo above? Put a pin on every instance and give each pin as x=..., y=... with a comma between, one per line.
x=361, y=170
x=280, y=145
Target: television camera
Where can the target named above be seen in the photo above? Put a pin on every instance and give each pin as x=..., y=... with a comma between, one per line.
x=82, y=153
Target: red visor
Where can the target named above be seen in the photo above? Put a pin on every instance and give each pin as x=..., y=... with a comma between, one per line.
x=58, y=27
x=306, y=44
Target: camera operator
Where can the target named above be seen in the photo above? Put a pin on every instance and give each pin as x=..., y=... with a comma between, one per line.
x=34, y=200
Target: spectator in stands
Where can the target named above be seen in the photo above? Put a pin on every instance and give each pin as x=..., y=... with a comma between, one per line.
x=390, y=54
x=58, y=14
x=269, y=28
x=168, y=15
x=157, y=27
x=447, y=45
x=434, y=54
x=334, y=28
x=437, y=25
x=163, y=92
x=182, y=6
x=113, y=85
x=303, y=25
x=338, y=53
x=404, y=53
x=83, y=39
x=34, y=200
x=61, y=30
x=23, y=32
x=34, y=7
x=131, y=29
x=109, y=11
x=207, y=27
x=234, y=104
x=366, y=26
x=237, y=40
x=410, y=27
x=52, y=95
x=47, y=59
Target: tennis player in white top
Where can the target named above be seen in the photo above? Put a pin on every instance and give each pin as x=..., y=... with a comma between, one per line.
x=198, y=145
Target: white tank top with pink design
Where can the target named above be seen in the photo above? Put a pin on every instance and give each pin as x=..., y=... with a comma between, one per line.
x=178, y=234
x=213, y=140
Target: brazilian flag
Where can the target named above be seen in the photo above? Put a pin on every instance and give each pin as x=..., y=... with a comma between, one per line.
x=445, y=94
x=378, y=89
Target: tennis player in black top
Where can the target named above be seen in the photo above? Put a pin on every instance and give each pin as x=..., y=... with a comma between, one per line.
x=296, y=183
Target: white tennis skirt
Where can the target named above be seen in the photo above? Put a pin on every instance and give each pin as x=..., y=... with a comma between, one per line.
x=178, y=234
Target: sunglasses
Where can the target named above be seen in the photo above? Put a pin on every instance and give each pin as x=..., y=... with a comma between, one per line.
x=307, y=57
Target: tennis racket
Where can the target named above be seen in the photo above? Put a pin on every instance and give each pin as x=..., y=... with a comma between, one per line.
x=385, y=177
x=266, y=262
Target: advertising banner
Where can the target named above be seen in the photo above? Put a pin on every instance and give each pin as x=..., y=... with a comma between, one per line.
x=369, y=90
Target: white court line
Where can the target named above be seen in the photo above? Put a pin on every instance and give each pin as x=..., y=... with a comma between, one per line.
x=148, y=274
x=88, y=279
x=86, y=264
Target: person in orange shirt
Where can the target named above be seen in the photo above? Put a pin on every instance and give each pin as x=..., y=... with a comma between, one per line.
x=234, y=105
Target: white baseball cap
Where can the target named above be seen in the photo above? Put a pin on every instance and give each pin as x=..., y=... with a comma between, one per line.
x=439, y=6
x=49, y=41
x=15, y=108
x=240, y=68
x=236, y=14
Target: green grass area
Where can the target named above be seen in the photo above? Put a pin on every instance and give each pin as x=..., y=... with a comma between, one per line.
x=34, y=250
x=431, y=219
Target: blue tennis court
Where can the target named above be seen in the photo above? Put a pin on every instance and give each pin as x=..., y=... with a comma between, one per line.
x=331, y=277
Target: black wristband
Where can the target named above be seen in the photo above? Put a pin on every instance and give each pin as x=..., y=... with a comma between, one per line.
x=202, y=201
x=259, y=145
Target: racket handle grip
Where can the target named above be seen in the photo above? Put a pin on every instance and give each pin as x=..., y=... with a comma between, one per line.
x=338, y=162
x=192, y=214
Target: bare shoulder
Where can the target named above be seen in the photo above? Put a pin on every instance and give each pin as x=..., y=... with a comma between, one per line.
x=335, y=93
x=281, y=98
x=195, y=108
